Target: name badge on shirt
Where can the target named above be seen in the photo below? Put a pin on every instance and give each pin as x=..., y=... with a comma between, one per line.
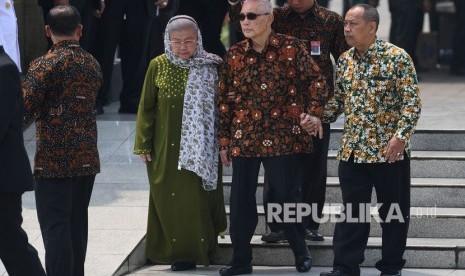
x=315, y=48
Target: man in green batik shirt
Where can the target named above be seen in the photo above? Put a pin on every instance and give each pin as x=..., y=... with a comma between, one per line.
x=377, y=90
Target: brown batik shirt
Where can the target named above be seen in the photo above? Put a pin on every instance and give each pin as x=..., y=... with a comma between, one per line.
x=59, y=90
x=322, y=29
x=263, y=94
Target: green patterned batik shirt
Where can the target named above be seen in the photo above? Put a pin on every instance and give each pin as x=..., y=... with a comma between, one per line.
x=379, y=95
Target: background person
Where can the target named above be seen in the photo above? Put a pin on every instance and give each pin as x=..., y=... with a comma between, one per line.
x=9, y=31
x=60, y=89
x=19, y=257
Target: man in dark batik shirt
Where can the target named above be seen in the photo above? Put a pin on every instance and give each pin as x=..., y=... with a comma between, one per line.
x=324, y=32
x=60, y=89
x=266, y=82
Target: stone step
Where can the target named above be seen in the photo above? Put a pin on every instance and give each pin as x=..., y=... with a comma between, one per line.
x=438, y=140
x=420, y=252
x=424, y=164
x=426, y=192
x=165, y=270
x=424, y=222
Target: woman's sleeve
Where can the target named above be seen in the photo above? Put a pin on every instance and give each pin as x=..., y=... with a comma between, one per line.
x=146, y=112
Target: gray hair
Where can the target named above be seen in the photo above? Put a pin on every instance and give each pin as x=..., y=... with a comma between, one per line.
x=265, y=6
x=370, y=13
x=181, y=22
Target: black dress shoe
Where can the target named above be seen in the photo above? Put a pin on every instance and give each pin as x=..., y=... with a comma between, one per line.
x=181, y=266
x=303, y=264
x=235, y=270
x=274, y=237
x=313, y=235
x=391, y=273
x=332, y=273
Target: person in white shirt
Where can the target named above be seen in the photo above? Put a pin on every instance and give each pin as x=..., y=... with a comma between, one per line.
x=9, y=31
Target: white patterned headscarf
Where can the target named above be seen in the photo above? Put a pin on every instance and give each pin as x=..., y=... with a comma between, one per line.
x=199, y=142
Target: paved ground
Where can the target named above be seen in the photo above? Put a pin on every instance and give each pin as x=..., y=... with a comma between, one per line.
x=117, y=215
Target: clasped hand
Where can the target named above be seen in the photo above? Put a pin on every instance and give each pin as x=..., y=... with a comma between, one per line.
x=312, y=125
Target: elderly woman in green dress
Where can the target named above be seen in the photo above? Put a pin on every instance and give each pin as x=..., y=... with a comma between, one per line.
x=176, y=137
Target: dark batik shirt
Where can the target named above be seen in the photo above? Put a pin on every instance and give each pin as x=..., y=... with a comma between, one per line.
x=60, y=89
x=321, y=28
x=263, y=94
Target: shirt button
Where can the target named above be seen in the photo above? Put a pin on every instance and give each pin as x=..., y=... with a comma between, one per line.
x=264, y=86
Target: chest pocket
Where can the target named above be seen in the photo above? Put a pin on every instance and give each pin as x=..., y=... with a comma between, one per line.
x=384, y=89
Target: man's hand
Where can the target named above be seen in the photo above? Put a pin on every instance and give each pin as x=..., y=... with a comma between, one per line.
x=161, y=3
x=98, y=12
x=225, y=158
x=311, y=124
x=146, y=157
x=394, y=150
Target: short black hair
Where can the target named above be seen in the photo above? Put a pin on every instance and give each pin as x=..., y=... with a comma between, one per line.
x=370, y=13
x=63, y=20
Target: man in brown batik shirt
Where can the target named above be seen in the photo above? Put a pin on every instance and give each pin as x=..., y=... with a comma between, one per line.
x=266, y=82
x=60, y=89
x=323, y=31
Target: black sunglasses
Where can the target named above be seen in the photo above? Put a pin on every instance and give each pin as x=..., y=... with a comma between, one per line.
x=250, y=15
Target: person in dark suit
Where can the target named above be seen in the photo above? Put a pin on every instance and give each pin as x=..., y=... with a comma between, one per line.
x=210, y=15
x=19, y=257
x=89, y=10
x=126, y=23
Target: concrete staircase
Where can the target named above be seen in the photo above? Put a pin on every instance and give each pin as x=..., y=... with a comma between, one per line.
x=436, y=233
x=437, y=227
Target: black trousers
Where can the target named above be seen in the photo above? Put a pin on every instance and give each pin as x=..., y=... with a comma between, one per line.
x=458, y=62
x=315, y=174
x=88, y=22
x=392, y=186
x=284, y=180
x=156, y=44
x=125, y=23
x=404, y=25
x=62, y=210
x=19, y=257
x=209, y=15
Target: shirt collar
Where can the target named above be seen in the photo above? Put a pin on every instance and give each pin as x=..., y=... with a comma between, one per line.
x=371, y=50
x=273, y=41
x=287, y=11
x=65, y=44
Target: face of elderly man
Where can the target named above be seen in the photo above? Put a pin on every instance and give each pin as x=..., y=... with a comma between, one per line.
x=301, y=6
x=359, y=32
x=257, y=20
x=184, y=43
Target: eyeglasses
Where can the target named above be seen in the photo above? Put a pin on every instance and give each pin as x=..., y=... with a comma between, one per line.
x=250, y=15
x=187, y=43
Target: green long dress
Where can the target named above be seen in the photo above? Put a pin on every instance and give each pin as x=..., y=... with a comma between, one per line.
x=184, y=220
